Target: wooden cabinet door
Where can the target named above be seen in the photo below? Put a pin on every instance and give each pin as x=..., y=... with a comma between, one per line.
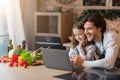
x=114, y=4
x=94, y=4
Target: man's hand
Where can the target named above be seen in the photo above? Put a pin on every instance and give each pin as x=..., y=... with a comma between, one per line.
x=77, y=60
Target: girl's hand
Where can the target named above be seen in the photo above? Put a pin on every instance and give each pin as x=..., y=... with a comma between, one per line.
x=77, y=60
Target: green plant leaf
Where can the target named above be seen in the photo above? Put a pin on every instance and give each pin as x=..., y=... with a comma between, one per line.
x=108, y=14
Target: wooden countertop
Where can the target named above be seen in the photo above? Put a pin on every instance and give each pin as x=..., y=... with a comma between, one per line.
x=39, y=73
x=29, y=73
x=67, y=45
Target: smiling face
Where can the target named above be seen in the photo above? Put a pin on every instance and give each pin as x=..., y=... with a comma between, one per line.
x=79, y=35
x=92, y=32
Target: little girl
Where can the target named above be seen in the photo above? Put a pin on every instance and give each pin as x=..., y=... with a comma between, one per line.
x=80, y=45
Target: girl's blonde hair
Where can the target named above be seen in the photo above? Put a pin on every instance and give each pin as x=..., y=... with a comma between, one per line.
x=74, y=42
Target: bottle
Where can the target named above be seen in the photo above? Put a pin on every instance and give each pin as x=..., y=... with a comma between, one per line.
x=23, y=44
x=10, y=45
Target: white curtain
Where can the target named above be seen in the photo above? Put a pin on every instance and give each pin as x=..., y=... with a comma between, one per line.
x=14, y=19
x=11, y=25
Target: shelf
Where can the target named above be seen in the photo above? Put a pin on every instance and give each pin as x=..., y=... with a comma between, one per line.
x=52, y=28
x=100, y=4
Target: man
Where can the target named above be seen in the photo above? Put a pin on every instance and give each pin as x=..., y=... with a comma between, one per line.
x=107, y=42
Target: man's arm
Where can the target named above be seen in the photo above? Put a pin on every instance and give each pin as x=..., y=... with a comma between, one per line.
x=111, y=45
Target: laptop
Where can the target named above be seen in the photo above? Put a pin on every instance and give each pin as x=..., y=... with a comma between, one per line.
x=57, y=59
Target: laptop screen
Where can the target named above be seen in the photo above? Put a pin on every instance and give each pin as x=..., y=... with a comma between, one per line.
x=56, y=59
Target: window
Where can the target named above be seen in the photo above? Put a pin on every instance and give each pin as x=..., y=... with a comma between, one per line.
x=4, y=37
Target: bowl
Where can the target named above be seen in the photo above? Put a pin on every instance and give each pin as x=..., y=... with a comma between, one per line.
x=112, y=74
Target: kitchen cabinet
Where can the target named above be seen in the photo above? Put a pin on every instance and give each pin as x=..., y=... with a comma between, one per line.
x=100, y=4
x=52, y=29
x=94, y=4
x=115, y=4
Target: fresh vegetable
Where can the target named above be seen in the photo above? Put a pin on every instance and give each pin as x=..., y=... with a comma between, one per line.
x=18, y=51
x=26, y=56
x=36, y=56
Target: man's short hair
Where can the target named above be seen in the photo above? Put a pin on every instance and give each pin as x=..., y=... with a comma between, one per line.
x=96, y=19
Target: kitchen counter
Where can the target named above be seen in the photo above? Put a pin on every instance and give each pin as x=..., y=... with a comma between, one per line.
x=67, y=45
x=30, y=73
x=41, y=73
